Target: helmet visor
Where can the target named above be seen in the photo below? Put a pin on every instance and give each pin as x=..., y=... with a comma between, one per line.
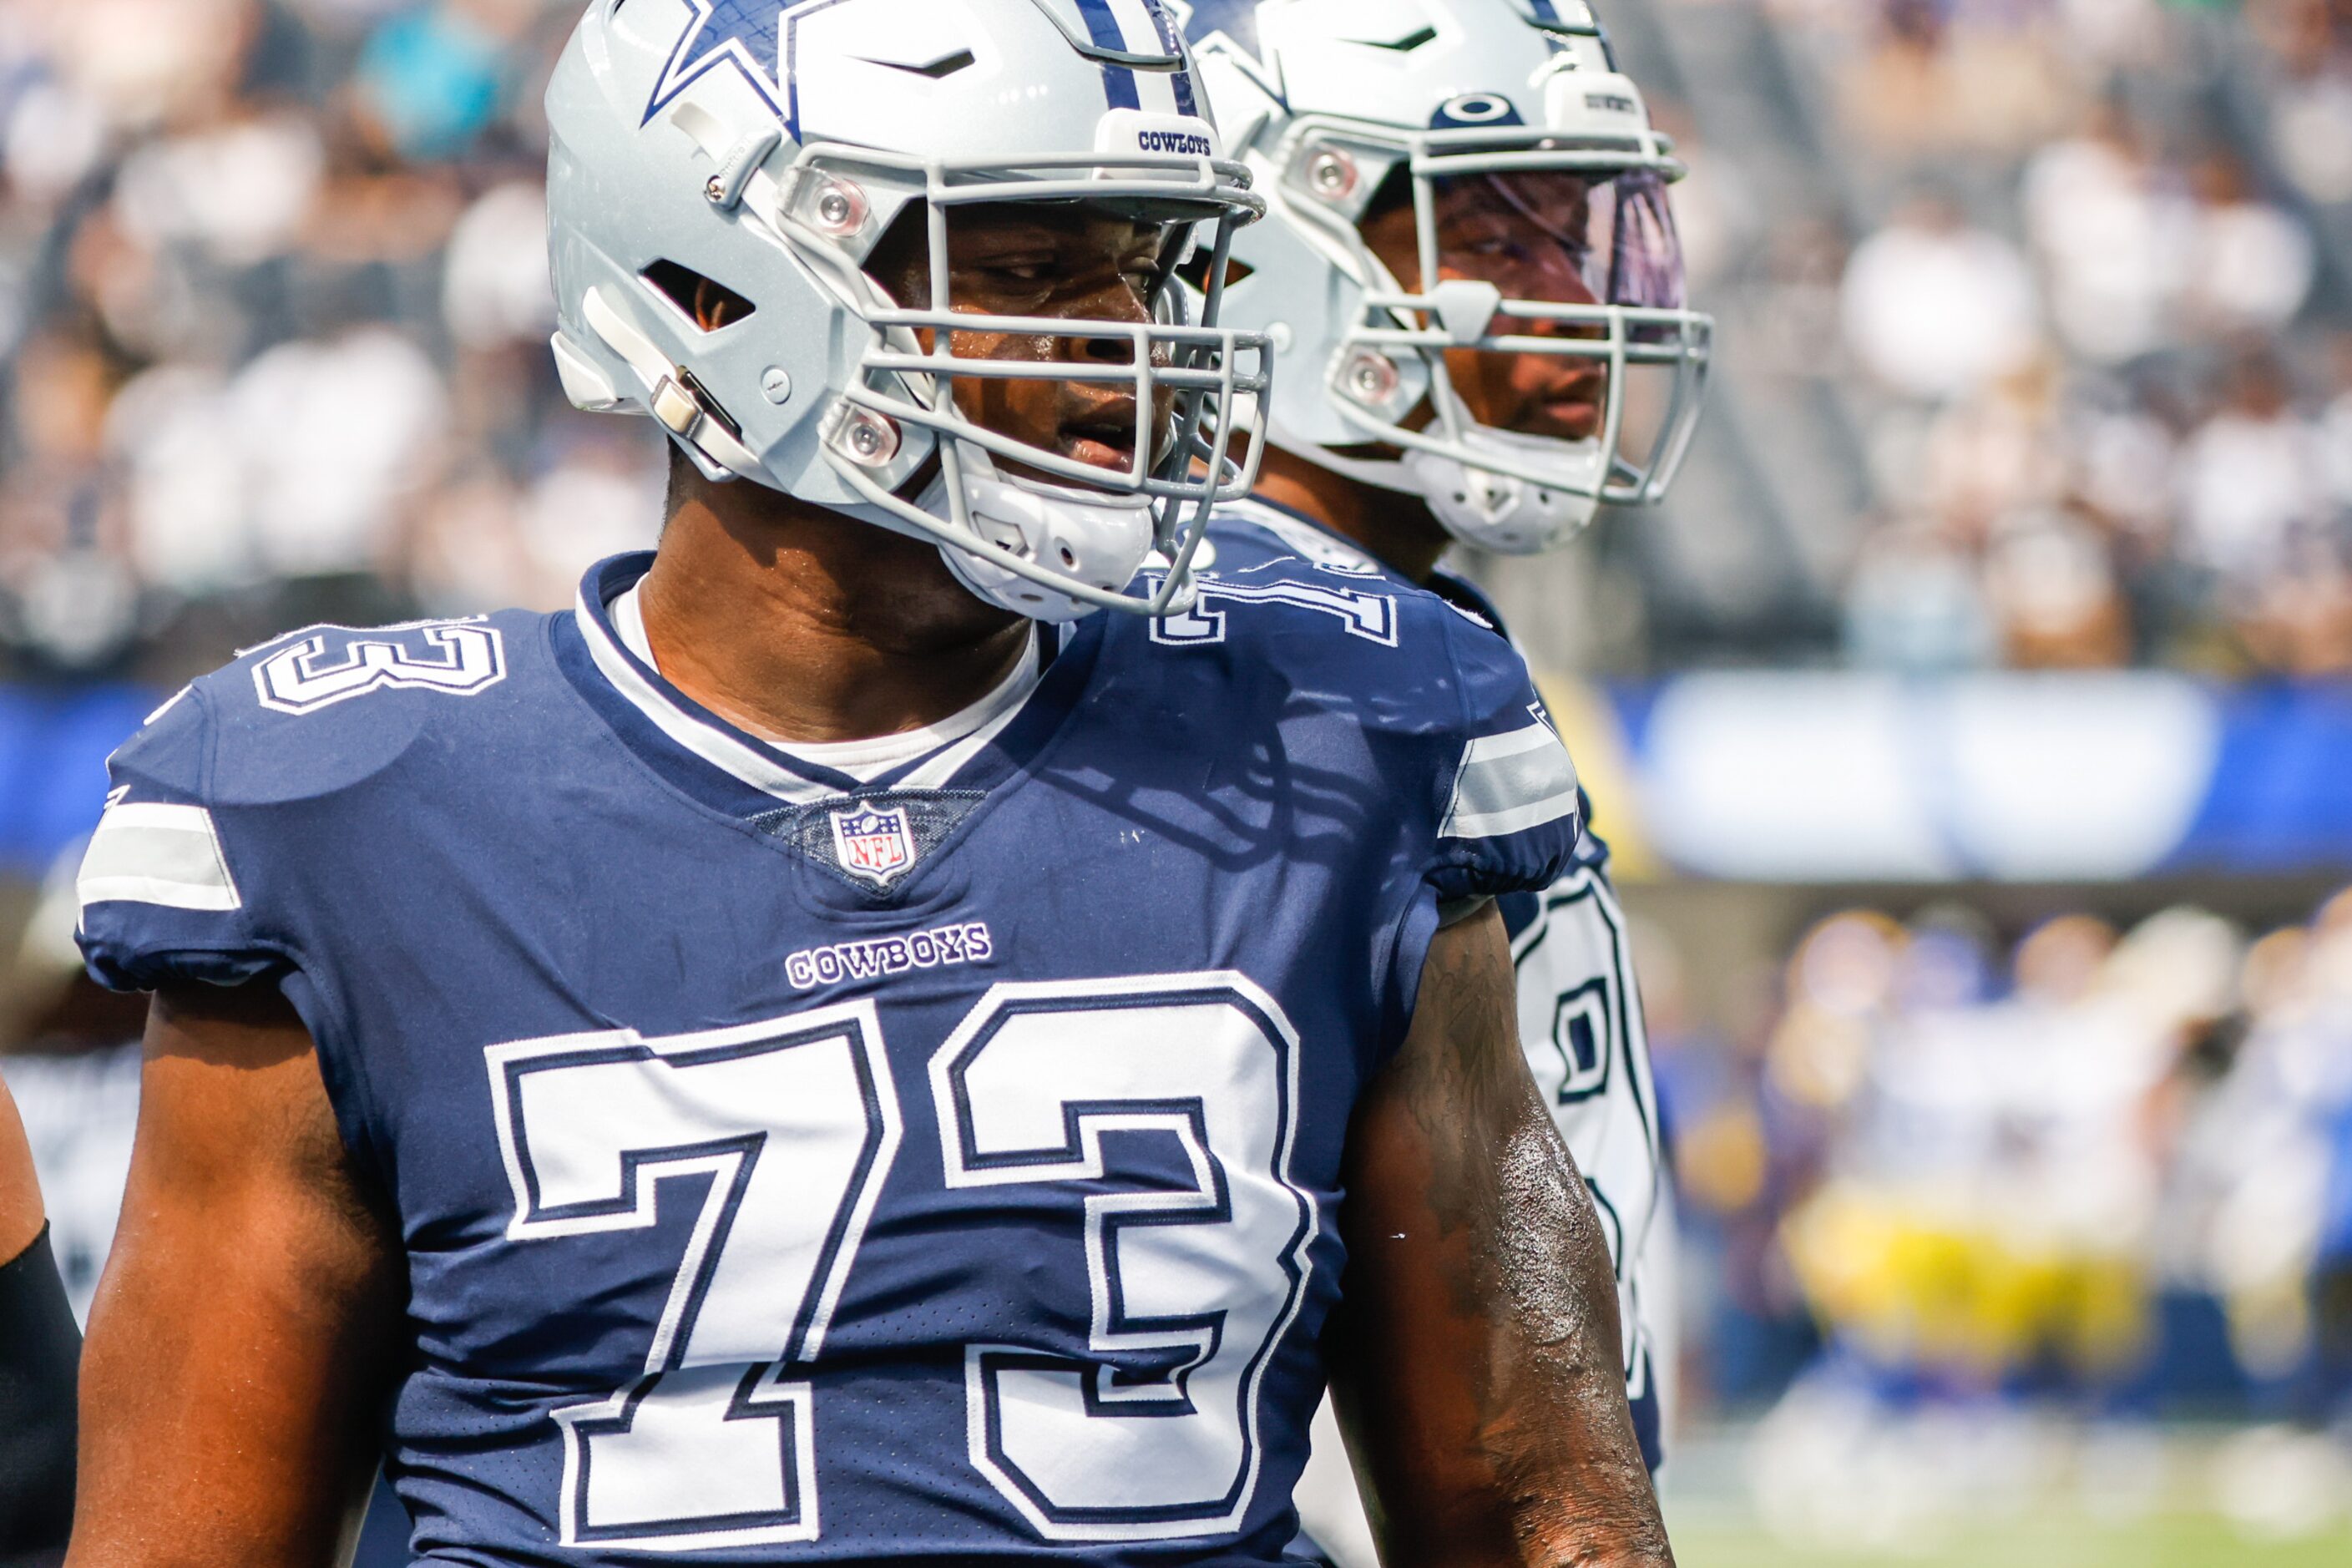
x=1558, y=235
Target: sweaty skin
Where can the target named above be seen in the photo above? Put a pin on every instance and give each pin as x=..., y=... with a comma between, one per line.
x=1474, y=1360
x=1015, y=261
x=248, y=1329
x=20, y=1194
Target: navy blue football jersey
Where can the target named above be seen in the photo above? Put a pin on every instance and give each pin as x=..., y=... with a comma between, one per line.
x=941, y=1167
x=1580, y=1008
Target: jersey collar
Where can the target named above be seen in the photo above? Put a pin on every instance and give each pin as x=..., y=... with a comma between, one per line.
x=1316, y=542
x=736, y=772
x=1309, y=538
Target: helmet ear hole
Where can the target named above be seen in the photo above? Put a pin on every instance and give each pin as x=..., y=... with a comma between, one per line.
x=705, y=301
x=1195, y=271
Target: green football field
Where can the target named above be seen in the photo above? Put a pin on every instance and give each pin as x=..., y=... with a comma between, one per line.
x=2182, y=1541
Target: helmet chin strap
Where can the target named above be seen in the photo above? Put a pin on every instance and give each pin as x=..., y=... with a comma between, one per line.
x=1499, y=512
x=1097, y=537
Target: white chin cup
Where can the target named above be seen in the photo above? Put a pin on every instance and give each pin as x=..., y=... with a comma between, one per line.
x=1501, y=512
x=1092, y=535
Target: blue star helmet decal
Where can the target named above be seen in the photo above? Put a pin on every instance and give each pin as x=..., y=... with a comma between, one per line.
x=745, y=34
x=1237, y=19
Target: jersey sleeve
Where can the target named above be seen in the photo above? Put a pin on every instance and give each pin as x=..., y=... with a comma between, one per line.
x=1511, y=812
x=161, y=901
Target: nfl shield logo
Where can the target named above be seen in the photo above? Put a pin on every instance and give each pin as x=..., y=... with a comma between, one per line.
x=877, y=846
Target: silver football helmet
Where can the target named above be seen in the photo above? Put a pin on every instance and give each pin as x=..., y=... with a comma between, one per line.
x=1332, y=101
x=765, y=150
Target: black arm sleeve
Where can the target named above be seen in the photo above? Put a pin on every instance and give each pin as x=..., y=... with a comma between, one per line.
x=40, y=1355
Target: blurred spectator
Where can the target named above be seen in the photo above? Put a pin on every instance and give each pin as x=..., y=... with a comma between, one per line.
x=2249, y=266
x=2111, y=235
x=1996, y=452
x=2052, y=591
x=149, y=63
x=2336, y=426
x=1942, y=78
x=1913, y=603
x=2311, y=113
x=2251, y=475
x=238, y=191
x=430, y=78
x=1935, y=308
x=337, y=435
x=495, y=290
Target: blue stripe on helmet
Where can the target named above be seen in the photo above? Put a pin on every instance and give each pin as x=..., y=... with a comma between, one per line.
x=1173, y=42
x=1118, y=81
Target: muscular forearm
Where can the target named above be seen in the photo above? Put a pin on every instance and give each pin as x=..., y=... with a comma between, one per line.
x=1561, y=1437
x=1476, y=1363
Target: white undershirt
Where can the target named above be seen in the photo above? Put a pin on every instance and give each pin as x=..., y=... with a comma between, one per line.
x=869, y=759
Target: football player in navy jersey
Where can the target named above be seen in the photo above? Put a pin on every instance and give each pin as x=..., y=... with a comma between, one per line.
x=827, y=1051
x=1468, y=261
x=39, y=1346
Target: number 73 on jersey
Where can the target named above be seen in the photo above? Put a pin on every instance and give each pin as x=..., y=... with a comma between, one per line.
x=795, y=1124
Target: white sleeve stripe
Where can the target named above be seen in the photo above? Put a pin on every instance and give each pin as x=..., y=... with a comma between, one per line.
x=1510, y=783
x=148, y=852
x=1516, y=819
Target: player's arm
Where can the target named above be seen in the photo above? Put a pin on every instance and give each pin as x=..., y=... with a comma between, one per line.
x=1475, y=1363
x=238, y=1348
x=38, y=1349
x=20, y=1193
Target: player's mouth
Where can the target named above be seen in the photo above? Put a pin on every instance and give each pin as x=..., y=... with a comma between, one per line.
x=1104, y=437
x=1573, y=410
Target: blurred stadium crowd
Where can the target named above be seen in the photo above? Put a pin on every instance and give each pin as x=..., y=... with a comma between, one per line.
x=272, y=276
x=2037, y=334
x=2119, y=426
x=2036, y=341
x=2100, y=1175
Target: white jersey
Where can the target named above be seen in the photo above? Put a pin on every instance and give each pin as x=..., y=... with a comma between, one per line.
x=1581, y=1024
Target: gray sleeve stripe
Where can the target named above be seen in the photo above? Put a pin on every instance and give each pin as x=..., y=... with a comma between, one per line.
x=151, y=853
x=1508, y=783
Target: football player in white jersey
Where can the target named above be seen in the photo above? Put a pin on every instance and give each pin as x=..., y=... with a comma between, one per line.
x=825, y=1050
x=1469, y=263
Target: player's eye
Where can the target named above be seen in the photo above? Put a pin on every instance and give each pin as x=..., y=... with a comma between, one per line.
x=1029, y=272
